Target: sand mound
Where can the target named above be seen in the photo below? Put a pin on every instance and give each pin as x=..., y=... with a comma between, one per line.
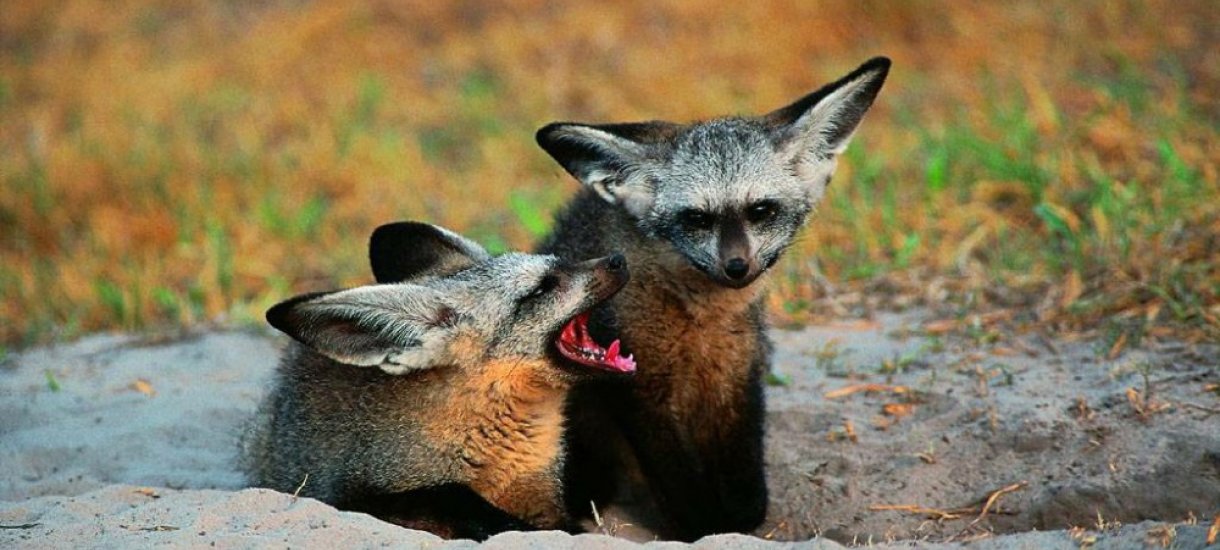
x=126, y=441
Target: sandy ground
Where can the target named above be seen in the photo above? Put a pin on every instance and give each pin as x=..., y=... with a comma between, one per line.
x=129, y=441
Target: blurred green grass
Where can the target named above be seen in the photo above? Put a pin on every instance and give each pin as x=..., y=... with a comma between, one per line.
x=183, y=162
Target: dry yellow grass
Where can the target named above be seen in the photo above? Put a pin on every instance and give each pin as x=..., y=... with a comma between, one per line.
x=177, y=161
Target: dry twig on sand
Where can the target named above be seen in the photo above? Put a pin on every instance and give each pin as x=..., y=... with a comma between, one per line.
x=1143, y=405
x=980, y=510
x=304, y=480
x=991, y=500
x=868, y=388
x=1208, y=410
x=937, y=514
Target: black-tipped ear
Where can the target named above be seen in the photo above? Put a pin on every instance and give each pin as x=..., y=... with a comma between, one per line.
x=281, y=316
x=398, y=328
x=608, y=157
x=585, y=148
x=407, y=250
x=826, y=119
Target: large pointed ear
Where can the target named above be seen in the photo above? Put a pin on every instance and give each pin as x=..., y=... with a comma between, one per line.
x=409, y=250
x=610, y=158
x=816, y=128
x=399, y=328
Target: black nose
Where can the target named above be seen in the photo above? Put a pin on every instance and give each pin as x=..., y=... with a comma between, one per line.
x=616, y=262
x=736, y=268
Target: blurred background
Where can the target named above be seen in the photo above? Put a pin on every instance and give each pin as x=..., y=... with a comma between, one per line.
x=181, y=162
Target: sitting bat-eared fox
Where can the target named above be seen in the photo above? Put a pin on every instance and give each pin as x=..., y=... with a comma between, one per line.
x=435, y=399
x=701, y=211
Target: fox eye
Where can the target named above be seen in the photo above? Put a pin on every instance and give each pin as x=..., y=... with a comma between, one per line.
x=547, y=284
x=761, y=211
x=696, y=219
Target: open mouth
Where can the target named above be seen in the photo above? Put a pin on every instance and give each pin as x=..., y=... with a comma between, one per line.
x=575, y=343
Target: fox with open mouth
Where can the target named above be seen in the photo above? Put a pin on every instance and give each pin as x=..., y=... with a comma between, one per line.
x=435, y=399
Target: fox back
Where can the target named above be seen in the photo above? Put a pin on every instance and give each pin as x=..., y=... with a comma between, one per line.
x=701, y=211
x=446, y=375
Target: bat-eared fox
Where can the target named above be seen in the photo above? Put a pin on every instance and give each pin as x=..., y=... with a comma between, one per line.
x=435, y=398
x=701, y=211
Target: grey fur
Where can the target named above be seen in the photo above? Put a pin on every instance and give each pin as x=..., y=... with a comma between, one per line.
x=700, y=211
x=405, y=326
x=341, y=432
x=657, y=170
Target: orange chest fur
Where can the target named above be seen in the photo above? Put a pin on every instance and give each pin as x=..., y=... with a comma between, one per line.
x=690, y=359
x=506, y=432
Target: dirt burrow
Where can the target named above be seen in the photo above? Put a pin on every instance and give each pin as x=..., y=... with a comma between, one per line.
x=1055, y=417
x=78, y=420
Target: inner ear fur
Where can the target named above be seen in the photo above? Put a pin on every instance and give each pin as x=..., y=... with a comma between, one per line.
x=575, y=145
x=607, y=157
x=823, y=122
x=398, y=328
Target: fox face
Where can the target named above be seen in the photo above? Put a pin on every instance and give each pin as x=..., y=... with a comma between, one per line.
x=443, y=300
x=434, y=398
x=727, y=194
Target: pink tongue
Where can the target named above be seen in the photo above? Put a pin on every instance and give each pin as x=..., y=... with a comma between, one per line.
x=577, y=332
x=625, y=364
